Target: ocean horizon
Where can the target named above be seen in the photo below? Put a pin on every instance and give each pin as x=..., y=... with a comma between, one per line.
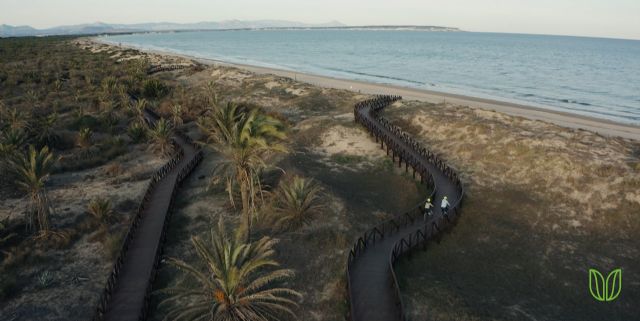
x=594, y=77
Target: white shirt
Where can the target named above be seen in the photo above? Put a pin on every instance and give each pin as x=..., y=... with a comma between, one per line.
x=444, y=203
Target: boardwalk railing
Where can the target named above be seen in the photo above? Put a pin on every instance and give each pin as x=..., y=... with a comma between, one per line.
x=414, y=155
x=158, y=175
x=162, y=68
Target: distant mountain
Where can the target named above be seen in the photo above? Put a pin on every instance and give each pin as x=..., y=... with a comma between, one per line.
x=17, y=31
x=100, y=28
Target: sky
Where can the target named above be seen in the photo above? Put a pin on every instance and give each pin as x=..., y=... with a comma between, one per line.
x=599, y=18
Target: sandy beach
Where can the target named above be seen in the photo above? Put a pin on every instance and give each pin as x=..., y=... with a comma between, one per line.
x=604, y=127
x=575, y=121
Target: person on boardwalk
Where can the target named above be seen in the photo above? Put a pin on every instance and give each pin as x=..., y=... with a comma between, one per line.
x=444, y=206
x=428, y=209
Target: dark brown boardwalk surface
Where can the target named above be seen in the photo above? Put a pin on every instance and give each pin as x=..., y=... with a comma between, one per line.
x=372, y=297
x=128, y=298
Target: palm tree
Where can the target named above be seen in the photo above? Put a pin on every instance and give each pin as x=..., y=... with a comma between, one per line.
x=161, y=135
x=243, y=137
x=295, y=202
x=238, y=282
x=16, y=119
x=109, y=121
x=45, y=131
x=138, y=108
x=33, y=170
x=10, y=143
x=212, y=93
x=84, y=138
x=137, y=132
x=122, y=95
x=154, y=89
x=12, y=139
x=109, y=85
x=176, y=115
x=101, y=210
x=220, y=122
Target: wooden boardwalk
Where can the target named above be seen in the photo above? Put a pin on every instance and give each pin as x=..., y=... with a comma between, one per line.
x=127, y=292
x=373, y=288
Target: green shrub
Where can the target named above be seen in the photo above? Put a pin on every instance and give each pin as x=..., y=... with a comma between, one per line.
x=137, y=132
x=109, y=121
x=161, y=137
x=154, y=89
x=101, y=210
x=84, y=138
x=45, y=279
x=85, y=121
x=109, y=84
x=107, y=150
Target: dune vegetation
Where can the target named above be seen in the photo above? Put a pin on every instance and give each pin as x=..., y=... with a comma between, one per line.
x=288, y=182
x=71, y=177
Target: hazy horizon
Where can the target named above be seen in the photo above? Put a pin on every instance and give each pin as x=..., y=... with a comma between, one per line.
x=590, y=18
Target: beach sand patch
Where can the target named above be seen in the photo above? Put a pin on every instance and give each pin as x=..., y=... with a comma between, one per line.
x=348, y=141
x=272, y=84
x=296, y=91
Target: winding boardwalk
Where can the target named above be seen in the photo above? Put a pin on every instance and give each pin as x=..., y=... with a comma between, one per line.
x=127, y=292
x=373, y=288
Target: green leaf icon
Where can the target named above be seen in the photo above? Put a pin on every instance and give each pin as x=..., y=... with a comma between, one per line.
x=605, y=291
x=613, y=286
x=597, y=287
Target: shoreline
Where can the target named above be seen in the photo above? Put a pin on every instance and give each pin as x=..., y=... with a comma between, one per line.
x=560, y=118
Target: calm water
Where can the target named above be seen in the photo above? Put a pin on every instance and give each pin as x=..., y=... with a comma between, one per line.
x=588, y=76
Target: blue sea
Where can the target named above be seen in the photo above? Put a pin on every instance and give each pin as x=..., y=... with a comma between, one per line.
x=588, y=76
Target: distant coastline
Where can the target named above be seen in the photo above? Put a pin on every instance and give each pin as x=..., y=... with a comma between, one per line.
x=100, y=28
x=355, y=28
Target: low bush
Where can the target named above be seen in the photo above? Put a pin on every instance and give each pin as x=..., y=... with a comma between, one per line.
x=106, y=152
x=154, y=89
x=101, y=210
x=85, y=121
x=112, y=244
x=137, y=132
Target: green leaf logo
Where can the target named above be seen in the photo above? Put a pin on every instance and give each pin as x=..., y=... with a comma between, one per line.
x=605, y=291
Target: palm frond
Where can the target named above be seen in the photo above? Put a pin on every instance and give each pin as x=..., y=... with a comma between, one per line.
x=295, y=202
x=235, y=283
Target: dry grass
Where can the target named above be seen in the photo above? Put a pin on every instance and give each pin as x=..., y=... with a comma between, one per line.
x=544, y=205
